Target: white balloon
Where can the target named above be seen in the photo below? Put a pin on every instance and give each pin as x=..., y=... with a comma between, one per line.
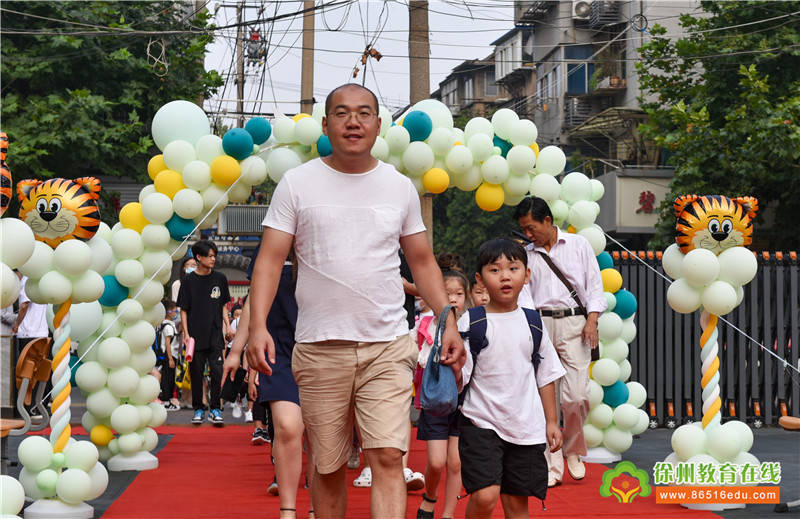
x=470, y=180
x=545, y=187
x=308, y=131
x=179, y=120
x=672, y=261
x=72, y=257
x=41, y=260
x=254, y=171
x=283, y=129
x=88, y=287
x=197, y=174
x=155, y=237
x=503, y=121
x=398, y=139
x=551, y=160
x=380, y=150
x=177, y=154
x=280, y=161
x=12, y=496
x=523, y=133
x=208, y=148
x=130, y=311
x=719, y=298
x=129, y=272
x=478, y=125
x=521, y=159
x=157, y=208
x=90, y=377
x=9, y=285
x=127, y=244
x=683, y=297
x=16, y=242
x=438, y=112
x=418, y=158
x=737, y=265
x=700, y=267
x=98, y=475
x=55, y=288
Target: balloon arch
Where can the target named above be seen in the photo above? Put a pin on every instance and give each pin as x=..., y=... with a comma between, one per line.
x=105, y=285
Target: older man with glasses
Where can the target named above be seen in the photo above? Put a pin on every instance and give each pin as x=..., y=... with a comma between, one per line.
x=349, y=214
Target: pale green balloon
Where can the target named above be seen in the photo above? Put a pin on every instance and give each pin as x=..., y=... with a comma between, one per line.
x=208, y=148
x=139, y=335
x=125, y=419
x=91, y=377
x=46, y=481
x=130, y=443
x=559, y=209
x=35, y=453
x=197, y=174
x=723, y=443
x=592, y=435
x=188, y=203
x=517, y=185
x=17, y=244
x=575, y=187
x=98, y=475
x=155, y=237
x=283, y=129
x=494, y=169
x=157, y=208
x=149, y=439
x=280, y=161
x=127, y=244
x=130, y=311
x=469, y=180
x=113, y=353
x=398, y=140
x=149, y=292
x=551, y=160
x=611, y=302
x=523, y=133
x=155, y=315
x=601, y=416
x=743, y=431
x=152, y=261
x=719, y=298
x=254, y=170
x=700, y=267
x=581, y=214
x=520, y=160
x=418, y=158
x=628, y=329
x=147, y=391
x=595, y=394
x=441, y=141
x=438, y=112
x=383, y=113
x=637, y=394
x=158, y=415
x=615, y=349
x=177, y=154
x=683, y=297
x=88, y=287
x=113, y=446
x=598, y=190
x=737, y=266
x=625, y=416
x=617, y=440
x=54, y=287
x=545, y=187
x=179, y=120
x=687, y=441
x=88, y=421
x=642, y=423
x=624, y=370
x=481, y=146
x=145, y=414
x=40, y=261
x=605, y=372
x=595, y=237
x=28, y=480
x=73, y=486
x=609, y=326
x=143, y=362
x=122, y=382
x=459, y=160
x=672, y=261
x=380, y=150
x=12, y=496
x=308, y=131
x=81, y=455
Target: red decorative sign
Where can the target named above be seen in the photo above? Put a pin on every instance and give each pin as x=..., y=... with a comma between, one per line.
x=647, y=202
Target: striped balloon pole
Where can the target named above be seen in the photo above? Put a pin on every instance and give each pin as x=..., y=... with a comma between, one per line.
x=712, y=403
x=59, y=409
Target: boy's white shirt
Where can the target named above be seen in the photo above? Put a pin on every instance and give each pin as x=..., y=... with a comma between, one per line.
x=169, y=329
x=503, y=393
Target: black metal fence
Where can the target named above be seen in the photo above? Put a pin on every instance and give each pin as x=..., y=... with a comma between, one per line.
x=665, y=355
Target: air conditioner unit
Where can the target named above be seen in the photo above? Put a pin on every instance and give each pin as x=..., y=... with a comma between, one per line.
x=580, y=10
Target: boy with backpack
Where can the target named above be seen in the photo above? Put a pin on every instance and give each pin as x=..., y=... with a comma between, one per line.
x=509, y=409
x=167, y=349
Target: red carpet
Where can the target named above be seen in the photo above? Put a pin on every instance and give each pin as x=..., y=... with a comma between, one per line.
x=210, y=472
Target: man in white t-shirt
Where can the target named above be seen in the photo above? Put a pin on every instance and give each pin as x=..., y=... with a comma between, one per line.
x=31, y=323
x=348, y=215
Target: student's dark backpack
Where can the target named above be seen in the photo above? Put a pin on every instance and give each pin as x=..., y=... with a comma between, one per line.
x=157, y=349
x=477, y=333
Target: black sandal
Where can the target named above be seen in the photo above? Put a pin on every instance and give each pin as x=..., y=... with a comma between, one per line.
x=287, y=510
x=422, y=514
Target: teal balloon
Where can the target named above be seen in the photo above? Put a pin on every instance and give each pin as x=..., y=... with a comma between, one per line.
x=418, y=124
x=324, y=147
x=626, y=303
x=605, y=261
x=258, y=128
x=114, y=293
x=503, y=144
x=238, y=143
x=615, y=394
x=74, y=364
x=179, y=228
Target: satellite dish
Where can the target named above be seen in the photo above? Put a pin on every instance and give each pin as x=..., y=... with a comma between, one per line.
x=639, y=22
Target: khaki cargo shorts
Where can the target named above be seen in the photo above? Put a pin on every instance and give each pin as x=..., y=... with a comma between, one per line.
x=340, y=381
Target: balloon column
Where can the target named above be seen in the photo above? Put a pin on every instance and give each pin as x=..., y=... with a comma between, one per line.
x=61, y=213
x=710, y=264
x=615, y=413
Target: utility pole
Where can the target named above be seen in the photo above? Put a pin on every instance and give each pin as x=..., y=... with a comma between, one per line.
x=419, y=49
x=239, y=65
x=307, y=70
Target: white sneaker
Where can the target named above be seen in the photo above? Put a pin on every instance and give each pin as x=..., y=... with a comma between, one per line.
x=414, y=480
x=365, y=479
x=248, y=415
x=237, y=410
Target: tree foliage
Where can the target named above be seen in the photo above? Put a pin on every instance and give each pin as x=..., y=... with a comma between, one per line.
x=75, y=102
x=725, y=102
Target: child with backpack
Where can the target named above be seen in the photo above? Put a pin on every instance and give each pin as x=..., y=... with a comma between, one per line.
x=439, y=432
x=167, y=349
x=508, y=415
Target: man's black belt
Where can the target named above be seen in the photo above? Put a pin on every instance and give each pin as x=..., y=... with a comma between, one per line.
x=558, y=313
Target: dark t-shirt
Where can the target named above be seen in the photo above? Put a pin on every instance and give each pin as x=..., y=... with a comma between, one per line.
x=203, y=297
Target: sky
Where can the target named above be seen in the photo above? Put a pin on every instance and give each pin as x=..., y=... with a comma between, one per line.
x=458, y=31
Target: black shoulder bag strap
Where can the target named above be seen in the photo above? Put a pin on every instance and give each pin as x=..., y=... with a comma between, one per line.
x=560, y=275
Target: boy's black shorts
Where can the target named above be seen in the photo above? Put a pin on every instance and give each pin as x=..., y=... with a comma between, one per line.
x=487, y=459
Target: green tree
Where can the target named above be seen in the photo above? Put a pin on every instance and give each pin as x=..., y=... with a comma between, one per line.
x=79, y=93
x=724, y=101
x=460, y=226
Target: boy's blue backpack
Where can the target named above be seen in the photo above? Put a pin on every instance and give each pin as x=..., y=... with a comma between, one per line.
x=438, y=392
x=477, y=333
x=157, y=348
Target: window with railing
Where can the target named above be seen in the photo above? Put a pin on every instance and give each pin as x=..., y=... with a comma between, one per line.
x=469, y=94
x=491, y=85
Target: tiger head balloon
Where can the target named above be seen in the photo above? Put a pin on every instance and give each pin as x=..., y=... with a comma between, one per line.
x=59, y=209
x=714, y=222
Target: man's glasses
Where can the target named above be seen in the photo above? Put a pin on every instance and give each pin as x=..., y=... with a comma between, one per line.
x=363, y=116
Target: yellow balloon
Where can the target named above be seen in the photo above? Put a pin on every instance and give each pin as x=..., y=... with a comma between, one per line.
x=572, y=229
x=299, y=116
x=225, y=170
x=490, y=197
x=436, y=180
x=457, y=143
x=400, y=122
x=156, y=166
x=535, y=148
x=612, y=280
x=591, y=365
x=169, y=182
x=101, y=435
x=131, y=217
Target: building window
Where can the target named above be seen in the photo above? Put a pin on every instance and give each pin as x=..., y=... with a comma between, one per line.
x=450, y=94
x=578, y=75
x=508, y=56
x=556, y=74
x=468, y=91
x=491, y=86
